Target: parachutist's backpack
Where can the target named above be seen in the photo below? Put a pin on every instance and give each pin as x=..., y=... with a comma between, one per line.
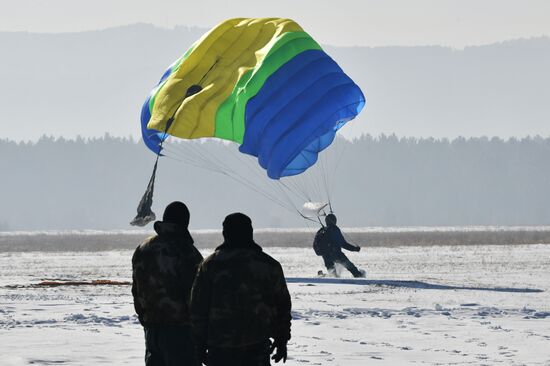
x=321, y=241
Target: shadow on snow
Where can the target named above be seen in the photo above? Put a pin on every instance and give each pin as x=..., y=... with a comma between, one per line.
x=403, y=283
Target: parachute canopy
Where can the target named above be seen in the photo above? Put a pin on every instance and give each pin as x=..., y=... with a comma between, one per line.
x=263, y=83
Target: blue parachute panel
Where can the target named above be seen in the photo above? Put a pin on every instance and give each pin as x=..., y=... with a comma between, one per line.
x=151, y=138
x=297, y=113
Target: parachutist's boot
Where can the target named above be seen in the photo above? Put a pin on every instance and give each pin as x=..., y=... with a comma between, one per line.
x=361, y=274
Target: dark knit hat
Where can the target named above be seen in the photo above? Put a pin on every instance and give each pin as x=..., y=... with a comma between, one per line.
x=237, y=227
x=176, y=213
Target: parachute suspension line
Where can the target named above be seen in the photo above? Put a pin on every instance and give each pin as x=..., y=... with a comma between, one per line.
x=339, y=154
x=206, y=159
x=295, y=192
x=341, y=145
x=261, y=177
x=285, y=194
x=289, y=205
x=320, y=222
x=309, y=218
x=275, y=185
x=190, y=153
x=317, y=182
x=208, y=72
x=280, y=185
x=324, y=166
x=209, y=161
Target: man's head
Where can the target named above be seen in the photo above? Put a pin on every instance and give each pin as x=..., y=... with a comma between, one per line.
x=237, y=228
x=176, y=213
x=330, y=219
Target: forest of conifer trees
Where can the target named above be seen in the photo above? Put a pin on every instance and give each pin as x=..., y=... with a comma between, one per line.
x=96, y=183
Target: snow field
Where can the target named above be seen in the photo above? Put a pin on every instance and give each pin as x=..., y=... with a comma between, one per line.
x=419, y=305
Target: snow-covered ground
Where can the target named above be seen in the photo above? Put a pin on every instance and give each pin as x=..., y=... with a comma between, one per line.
x=423, y=305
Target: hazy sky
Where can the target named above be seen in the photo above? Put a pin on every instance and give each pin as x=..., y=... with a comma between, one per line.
x=343, y=22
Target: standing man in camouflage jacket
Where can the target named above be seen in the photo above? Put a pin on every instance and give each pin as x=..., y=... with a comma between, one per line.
x=239, y=301
x=164, y=267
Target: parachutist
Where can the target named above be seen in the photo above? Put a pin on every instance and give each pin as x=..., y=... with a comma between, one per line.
x=329, y=243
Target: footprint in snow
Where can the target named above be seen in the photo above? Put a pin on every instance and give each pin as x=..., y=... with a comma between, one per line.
x=348, y=340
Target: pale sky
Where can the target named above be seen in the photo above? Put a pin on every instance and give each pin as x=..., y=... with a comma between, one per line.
x=455, y=23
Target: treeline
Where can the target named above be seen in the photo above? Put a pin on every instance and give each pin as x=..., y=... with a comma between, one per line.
x=384, y=181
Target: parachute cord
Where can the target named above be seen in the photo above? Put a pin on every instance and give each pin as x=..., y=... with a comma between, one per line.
x=211, y=162
x=318, y=218
x=307, y=218
x=210, y=69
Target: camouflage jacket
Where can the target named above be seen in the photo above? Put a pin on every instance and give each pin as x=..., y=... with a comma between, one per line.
x=239, y=298
x=163, y=269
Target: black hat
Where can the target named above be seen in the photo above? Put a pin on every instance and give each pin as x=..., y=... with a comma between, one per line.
x=176, y=213
x=237, y=227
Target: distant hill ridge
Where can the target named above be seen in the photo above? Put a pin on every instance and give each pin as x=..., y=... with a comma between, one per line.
x=91, y=82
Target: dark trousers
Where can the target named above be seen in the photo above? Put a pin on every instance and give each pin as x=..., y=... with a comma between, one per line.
x=169, y=345
x=341, y=258
x=253, y=355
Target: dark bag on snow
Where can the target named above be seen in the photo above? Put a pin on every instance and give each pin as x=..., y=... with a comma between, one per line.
x=321, y=241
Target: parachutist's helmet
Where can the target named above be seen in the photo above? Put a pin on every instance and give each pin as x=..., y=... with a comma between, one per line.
x=330, y=219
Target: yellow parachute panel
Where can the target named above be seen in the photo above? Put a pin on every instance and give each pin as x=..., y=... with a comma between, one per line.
x=219, y=59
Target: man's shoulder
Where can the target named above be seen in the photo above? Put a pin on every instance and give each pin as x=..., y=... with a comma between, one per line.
x=269, y=259
x=147, y=244
x=158, y=245
x=334, y=230
x=265, y=261
x=237, y=255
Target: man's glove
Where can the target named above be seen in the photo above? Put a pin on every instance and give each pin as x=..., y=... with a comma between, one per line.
x=280, y=354
x=357, y=248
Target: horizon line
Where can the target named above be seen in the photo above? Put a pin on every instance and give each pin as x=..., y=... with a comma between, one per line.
x=205, y=29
